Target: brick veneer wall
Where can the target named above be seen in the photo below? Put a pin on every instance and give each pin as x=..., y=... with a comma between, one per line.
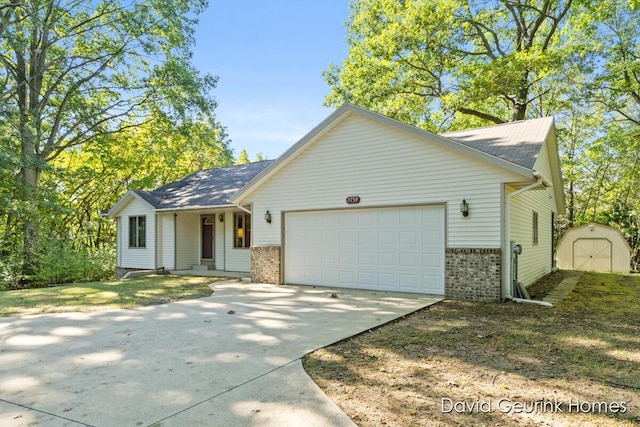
x=265, y=264
x=473, y=274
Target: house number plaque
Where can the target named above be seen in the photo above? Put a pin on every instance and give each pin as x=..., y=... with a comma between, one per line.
x=353, y=200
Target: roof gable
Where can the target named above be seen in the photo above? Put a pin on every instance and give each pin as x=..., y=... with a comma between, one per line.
x=489, y=145
x=126, y=199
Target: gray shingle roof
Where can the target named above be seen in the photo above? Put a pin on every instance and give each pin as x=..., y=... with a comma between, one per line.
x=211, y=187
x=515, y=142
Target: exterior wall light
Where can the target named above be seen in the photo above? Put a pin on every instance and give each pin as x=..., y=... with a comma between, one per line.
x=464, y=208
x=221, y=217
x=267, y=217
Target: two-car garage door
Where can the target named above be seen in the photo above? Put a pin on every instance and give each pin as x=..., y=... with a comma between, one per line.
x=395, y=249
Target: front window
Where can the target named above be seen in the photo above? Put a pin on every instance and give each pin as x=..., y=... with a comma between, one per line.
x=242, y=230
x=137, y=231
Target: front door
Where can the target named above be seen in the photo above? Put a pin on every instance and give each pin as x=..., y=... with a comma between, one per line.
x=207, y=237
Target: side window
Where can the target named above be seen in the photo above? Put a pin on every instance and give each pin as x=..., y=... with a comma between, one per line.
x=242, y=230
x=137, y=231
x=535, y=228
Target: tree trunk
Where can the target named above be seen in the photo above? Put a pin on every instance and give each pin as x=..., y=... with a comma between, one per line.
x=6, y=244
x=30, y=175
x=571, y=205
x=520, y=103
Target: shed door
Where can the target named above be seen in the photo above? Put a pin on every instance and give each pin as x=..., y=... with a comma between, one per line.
x=592, y=255
x=394, y=249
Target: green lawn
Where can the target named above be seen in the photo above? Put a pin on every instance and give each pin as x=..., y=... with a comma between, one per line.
x=94, y=296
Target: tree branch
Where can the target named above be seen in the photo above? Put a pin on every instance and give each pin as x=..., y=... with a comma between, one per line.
x=480, y=114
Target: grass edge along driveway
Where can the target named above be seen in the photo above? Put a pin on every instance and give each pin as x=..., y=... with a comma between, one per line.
x=486, y=364
x=105, y=295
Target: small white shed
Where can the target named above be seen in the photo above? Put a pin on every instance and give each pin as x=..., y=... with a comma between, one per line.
x=594, y=247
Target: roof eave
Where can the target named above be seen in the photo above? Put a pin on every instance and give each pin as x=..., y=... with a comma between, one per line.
x=120, y=204
x=556, y=170
x=196, y=208
x=350, y=108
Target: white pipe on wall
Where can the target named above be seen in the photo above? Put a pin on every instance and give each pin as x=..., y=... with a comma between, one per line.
x=540, y=181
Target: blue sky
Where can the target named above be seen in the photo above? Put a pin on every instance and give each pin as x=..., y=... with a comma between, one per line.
x=269, y=56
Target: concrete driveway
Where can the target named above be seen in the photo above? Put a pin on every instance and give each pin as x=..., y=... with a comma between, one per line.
x=230, y=359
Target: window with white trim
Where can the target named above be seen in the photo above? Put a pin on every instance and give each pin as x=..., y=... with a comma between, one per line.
x=137, y=231
x=241, y=230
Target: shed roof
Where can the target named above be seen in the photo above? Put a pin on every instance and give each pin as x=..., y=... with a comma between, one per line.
x=205, y=188
x=578, y=232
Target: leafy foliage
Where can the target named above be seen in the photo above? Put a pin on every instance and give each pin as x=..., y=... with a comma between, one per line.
x=95, y=97
x=448, y=62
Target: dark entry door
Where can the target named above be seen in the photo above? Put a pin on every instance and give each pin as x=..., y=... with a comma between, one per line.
x=207, y=238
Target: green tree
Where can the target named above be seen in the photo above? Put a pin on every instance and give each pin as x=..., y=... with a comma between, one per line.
x=438, y=62
x=243, y=158
x=92, y=180
x=612, y=159
x=617, y=84
x=74, y=72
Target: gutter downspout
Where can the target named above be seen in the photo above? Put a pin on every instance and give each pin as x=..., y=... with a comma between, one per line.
x=532, y=301
x=539, y=182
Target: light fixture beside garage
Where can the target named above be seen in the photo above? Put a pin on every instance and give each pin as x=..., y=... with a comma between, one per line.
x=267, y=217
x=464, y=208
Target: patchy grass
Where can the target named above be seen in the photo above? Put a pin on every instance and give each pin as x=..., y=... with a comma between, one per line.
x=586, y=350
x=540, y=289
x=95, y=296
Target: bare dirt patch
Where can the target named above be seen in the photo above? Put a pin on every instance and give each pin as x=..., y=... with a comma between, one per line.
x=503, y=364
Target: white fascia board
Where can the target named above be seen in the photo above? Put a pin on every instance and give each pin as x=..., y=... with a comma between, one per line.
x=556, y=171
x=196, y=208
x=350, y=108
x=120, y=204
x=449, y=143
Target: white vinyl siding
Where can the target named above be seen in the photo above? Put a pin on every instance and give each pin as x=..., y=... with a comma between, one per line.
x=159, y=241
x=141, y=258
x=236, y=259
x=385, y=167
x=119, y=241
x=187, y=240
x=167, y=241
x=536, y=259
x=219, y=240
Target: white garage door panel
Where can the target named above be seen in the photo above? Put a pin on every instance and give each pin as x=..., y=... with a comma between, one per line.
x=399, y=249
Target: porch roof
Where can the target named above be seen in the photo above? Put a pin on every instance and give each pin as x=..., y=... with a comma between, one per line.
x=206, y=188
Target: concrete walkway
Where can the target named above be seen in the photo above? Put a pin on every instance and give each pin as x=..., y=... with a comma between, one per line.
x=560, y=292
x=230, y=359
